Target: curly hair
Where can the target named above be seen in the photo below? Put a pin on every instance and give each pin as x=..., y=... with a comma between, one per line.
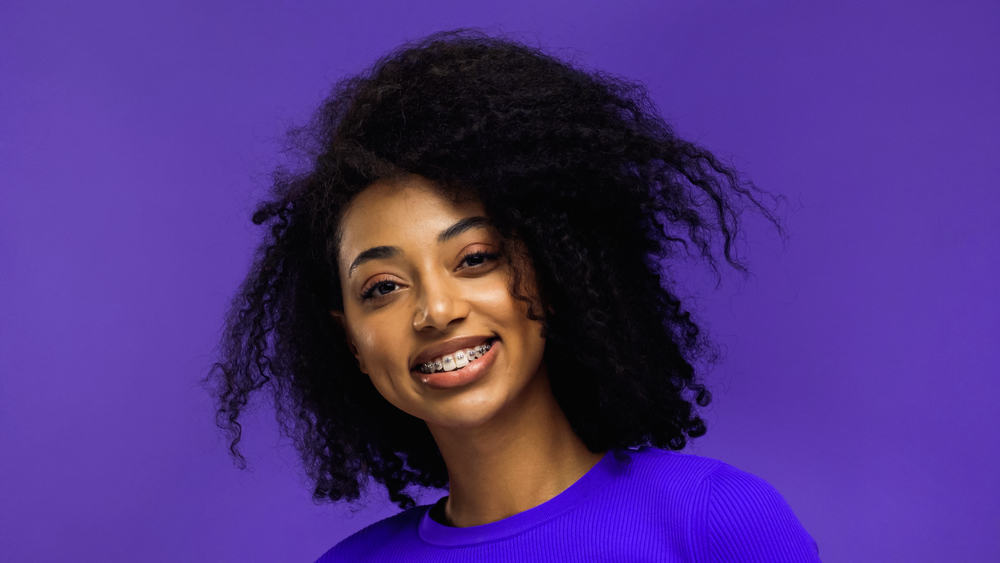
x=575, y=167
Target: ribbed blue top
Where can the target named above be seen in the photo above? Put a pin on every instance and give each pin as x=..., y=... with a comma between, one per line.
x=633, y=505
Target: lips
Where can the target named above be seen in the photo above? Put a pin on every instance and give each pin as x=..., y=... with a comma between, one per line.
x=448, y=347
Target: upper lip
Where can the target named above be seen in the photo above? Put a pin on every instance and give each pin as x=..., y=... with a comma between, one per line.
x=439, y=349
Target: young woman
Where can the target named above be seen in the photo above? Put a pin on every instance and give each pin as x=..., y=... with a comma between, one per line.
x=469, y=289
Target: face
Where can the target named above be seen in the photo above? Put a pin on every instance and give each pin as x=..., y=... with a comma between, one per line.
x=418, y=270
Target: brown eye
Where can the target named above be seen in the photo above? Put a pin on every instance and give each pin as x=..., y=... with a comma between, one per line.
x=479, y=258
x=378, y=289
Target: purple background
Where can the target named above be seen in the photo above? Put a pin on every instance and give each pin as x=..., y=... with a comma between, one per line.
x=860, y=370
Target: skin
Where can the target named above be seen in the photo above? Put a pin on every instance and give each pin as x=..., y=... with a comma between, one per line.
x=507, y=444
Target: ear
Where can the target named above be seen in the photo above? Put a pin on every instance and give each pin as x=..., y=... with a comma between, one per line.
x=338, y=316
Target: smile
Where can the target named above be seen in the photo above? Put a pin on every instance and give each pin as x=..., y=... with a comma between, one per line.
x=456, y=360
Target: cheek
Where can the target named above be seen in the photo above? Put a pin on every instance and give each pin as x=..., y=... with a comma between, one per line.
x=367, y=342
x=375, y=358
x=497, y=300
x=379, y=358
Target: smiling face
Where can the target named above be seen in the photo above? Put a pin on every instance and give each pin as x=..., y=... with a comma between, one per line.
x=418, y=270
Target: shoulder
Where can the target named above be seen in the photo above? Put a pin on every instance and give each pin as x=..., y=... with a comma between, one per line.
x=727, y=514
x=737, y=515
x=666, y=472
x=368, y=543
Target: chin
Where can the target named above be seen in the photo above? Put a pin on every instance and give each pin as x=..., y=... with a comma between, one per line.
x=464, y=412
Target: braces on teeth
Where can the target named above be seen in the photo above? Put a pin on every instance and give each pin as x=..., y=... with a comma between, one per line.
x=456, y=360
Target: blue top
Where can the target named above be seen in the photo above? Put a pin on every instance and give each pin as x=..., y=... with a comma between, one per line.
x=633, y=505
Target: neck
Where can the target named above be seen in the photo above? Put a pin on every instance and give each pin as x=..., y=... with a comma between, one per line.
x=521, y=458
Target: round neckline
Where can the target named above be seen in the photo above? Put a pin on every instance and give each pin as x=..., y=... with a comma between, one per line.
x=433, y=532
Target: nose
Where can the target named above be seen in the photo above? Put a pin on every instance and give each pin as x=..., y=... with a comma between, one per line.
x=441, y=303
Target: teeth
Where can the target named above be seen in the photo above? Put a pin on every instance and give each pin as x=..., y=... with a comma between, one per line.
x=457, y=360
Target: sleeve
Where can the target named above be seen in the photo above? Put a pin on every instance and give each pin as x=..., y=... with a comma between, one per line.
x=740, y=517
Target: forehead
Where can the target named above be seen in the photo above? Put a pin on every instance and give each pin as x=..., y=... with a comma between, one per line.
x=401, y=213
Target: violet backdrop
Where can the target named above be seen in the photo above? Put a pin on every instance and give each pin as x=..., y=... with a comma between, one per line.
x=859, y=375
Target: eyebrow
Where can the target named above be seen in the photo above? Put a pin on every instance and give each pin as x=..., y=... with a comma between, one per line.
x=382, y=252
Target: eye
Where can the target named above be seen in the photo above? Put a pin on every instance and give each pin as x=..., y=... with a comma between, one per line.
x=479, y=258
x=383, y=287
x=380, y=288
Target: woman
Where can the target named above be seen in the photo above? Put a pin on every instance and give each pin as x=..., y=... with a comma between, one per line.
x=468, y=289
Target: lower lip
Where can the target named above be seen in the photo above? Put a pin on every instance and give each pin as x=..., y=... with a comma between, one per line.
x=459, y=377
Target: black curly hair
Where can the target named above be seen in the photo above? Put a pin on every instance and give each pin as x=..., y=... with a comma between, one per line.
x=575, y=167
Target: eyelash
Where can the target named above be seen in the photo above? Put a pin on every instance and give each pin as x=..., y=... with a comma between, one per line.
x=369, y=292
